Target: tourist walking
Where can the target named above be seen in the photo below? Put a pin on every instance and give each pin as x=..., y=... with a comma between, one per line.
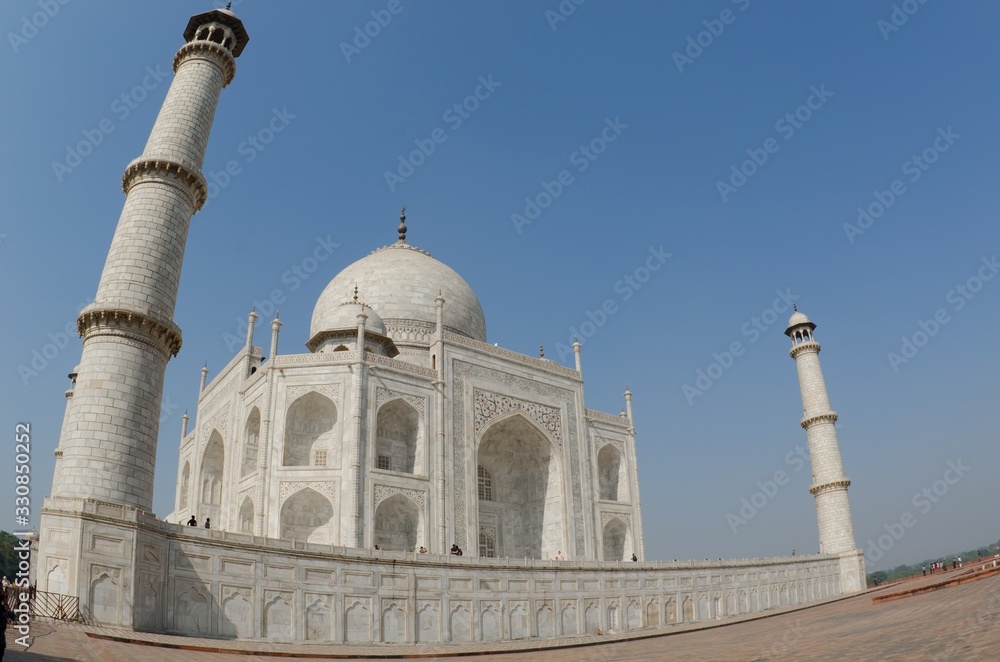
x=193, y=521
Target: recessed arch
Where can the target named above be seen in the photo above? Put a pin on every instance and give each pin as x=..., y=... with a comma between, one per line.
x=611, y=474
x=185, y=494
x=246, y=515
x=398, y=438
x=398, y=524
x=653, y=612
x=310, y=431
x=617, y=540
x=687, y=610
x=213, y=461
x=251, y=443
x=527, y=499
x=307, y=516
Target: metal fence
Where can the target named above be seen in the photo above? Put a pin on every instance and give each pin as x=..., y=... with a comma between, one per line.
x=40, y=603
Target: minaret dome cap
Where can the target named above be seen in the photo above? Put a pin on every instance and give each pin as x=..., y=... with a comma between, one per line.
x=227, y=18
x=798, y=318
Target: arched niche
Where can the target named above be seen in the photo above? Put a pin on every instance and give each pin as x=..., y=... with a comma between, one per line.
x=251, y=443
x=611, y=474
x=398, y=524
x=398, y=444
x=213, y=462
x=527, y=492
x=617, y=541
x=246, y=516
x=185, y=495
x=307, y=516
x=310, y=427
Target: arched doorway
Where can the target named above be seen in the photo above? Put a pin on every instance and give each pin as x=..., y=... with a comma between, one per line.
x=525, y=503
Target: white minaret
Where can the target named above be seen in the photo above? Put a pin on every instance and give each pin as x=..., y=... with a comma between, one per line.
x=829, y=485
x=109, y=442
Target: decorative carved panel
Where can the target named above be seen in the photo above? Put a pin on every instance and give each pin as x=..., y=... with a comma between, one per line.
x=218, y=421
x=384, y=395
x=490, y=405
x=607, y=516
x=288, y=488
x=293, y=393
x=602, y=442
x=383, y=492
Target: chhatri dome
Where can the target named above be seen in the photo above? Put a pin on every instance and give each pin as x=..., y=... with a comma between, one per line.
x=797, y=318
x=344, y=316
x=399, y=283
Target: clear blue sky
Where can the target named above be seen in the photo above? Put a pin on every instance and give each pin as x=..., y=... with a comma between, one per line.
x=879, y=97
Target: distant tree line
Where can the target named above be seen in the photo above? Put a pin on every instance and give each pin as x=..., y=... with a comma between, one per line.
x=904, y=571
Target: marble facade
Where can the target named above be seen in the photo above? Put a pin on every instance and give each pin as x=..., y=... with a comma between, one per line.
x=147, y=574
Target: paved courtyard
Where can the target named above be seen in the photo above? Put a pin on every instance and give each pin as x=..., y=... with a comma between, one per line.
x=956, y=623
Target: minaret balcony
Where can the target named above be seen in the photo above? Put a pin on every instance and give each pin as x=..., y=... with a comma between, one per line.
x=802, y=348
x=828, y=417
x=832, y=486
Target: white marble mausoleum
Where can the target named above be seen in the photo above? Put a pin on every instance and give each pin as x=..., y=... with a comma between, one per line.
x=402, y=427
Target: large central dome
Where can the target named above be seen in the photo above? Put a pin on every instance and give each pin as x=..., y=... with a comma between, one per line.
x=400, y=283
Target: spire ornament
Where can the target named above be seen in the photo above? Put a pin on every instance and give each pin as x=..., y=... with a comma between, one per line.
x=402, y=225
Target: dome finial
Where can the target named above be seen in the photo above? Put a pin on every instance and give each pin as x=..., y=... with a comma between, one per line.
x=541, y=351
x=795, y=307
x=402, y=225
x=355, y=294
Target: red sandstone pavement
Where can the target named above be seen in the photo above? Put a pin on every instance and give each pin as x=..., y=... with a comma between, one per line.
x=954, y=623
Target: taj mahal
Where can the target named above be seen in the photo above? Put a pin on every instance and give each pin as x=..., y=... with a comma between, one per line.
x=403, y=428
x=338, y=481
